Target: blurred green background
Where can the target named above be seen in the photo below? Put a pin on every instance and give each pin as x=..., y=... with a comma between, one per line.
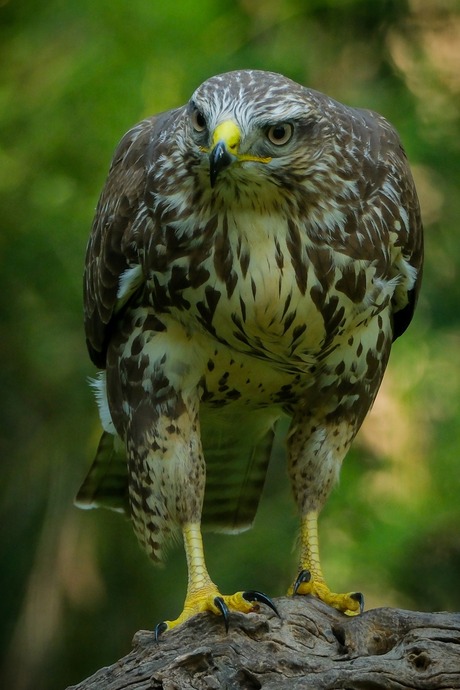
x=74, y=76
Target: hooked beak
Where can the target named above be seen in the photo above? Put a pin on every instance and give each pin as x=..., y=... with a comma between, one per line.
x=219, y=159
x=225, y=150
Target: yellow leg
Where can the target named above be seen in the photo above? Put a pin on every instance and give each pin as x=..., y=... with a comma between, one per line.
x=202, y=593
x=311, y=580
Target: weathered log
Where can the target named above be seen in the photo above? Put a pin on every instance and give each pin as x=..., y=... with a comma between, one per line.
x=310, y=646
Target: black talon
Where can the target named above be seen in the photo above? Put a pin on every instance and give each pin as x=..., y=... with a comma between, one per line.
x=253, y=595
x=359, y=597
x=159, y=630
x=223, y=608
x=303, y=576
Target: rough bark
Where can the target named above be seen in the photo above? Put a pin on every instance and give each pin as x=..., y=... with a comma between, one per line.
x=310, y=646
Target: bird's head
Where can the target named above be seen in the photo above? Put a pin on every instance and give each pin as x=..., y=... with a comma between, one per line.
x=251, y=127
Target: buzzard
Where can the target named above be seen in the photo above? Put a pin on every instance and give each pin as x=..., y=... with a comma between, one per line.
x=254, y=254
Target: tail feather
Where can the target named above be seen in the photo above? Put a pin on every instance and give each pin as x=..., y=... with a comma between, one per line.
x=106, y=484
x=237, y=447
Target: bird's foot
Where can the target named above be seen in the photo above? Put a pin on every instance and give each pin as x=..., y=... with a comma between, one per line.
x=352, y=603
x=210, y=599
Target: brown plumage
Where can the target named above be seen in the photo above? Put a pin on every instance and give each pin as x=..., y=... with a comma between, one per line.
x=254, y=254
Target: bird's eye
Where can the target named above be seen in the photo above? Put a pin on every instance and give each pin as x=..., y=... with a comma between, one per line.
x=198, y=121
x=280, y=134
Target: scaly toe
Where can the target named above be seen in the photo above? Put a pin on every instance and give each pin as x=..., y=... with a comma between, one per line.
x=351, y=604
x=210, y=599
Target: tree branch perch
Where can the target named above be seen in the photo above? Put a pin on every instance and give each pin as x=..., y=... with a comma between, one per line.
x=311, y=646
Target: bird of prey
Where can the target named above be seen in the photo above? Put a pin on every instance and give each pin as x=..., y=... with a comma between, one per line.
x=254, y=254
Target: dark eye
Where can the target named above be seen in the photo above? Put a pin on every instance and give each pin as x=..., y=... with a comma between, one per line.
x=280, y=134
x=198, y=121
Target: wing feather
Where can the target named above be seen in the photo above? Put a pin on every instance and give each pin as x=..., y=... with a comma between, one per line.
x=389, y=215
x=398, y=204
x=115, y=247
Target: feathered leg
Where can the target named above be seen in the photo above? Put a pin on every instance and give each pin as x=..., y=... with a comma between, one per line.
x=316, y=451
x=166, y=467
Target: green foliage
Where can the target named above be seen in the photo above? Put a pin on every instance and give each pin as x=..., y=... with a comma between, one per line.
x=74, y=78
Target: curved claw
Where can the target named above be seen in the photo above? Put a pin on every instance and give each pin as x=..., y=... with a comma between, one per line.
x=253, y=595
x=303, y=576
x=223, y=608
x=159, y=630
x=359, y=597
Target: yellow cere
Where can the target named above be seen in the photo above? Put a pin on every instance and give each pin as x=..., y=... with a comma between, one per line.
x=229, y=133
